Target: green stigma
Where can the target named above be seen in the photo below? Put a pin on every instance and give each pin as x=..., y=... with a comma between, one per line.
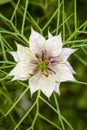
x=42, y=65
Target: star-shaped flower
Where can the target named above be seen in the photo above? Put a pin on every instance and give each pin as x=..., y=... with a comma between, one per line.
x=44, y=63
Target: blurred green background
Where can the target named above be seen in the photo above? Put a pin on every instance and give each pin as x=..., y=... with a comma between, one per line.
x=73, y=98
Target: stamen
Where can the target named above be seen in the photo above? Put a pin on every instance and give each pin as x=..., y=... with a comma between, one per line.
x=35, y=71
x=52, y=70
x=45, y=72
x=38, y=57
x=43, y=55
x=34, y=62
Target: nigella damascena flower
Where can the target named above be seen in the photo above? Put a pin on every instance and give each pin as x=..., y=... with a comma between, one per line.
x=44, y=63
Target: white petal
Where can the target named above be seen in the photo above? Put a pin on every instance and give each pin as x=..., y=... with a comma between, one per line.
x=70, y=67
x=24, y=53
x=18, y=78
x=47, y=85
x=65, y=53
x=54, y=45
x=49, y=35
x=21, y=70
x=15, y=55
x=56, y=89
x=33, y=83
x=63, y=73
x=37, y=42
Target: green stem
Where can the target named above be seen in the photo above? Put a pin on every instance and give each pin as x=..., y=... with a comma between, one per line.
x=24, y=116
x=50, y=122
x=58, y=111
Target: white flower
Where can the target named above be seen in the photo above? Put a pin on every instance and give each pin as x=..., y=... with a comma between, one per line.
x=44, y=63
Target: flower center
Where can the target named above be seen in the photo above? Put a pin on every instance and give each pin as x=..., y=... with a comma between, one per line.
x=43, y=65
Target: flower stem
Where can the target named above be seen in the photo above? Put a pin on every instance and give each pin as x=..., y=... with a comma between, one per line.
x=58, y=111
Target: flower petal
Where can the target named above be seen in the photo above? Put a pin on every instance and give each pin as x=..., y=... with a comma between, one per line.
x=24, y=53
x=18, y=78
x=49, y=35
x=21, y=70
x=47, y=85
x=43, y=83
x=33, y=82
x=56, y=89
x=63, y=73
x=70, y=67
x=15, y=55
x=37, y=42
x=54, y=45
x=65, y=53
